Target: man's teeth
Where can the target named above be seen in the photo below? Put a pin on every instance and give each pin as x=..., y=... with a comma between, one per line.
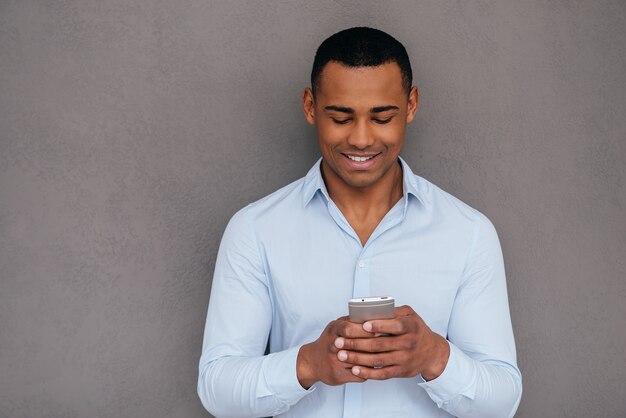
x=360, y=159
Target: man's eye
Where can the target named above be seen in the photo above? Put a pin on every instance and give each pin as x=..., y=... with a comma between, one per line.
x=341, y=121
x=382, y=121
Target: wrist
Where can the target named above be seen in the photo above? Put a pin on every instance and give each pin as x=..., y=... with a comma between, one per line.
x=440, y=360
x=304, y=369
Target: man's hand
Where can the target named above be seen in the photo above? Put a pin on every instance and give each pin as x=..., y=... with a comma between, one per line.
x=317, y=361
x=408, y=349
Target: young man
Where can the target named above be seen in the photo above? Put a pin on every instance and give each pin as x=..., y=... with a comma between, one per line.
x=360, y=223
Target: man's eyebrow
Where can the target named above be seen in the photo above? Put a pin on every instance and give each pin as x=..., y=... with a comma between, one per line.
x=380, y=109
x=340, y=109
x=377, y=109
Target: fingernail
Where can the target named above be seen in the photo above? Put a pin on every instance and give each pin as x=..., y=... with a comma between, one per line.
x=339, y=342
x=356, y=370
x=367, y=326
x=342, y=355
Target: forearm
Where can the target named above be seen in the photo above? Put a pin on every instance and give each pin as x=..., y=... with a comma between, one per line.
x=498, y=392
x=250, y=386
x=223, y=397
x=470, y=388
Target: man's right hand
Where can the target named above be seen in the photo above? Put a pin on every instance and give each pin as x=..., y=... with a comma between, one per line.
x=317, y=361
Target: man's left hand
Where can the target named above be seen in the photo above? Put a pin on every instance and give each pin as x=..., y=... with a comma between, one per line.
x=406, y=348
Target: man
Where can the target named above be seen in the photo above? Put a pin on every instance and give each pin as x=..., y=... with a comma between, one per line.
x=359, y=224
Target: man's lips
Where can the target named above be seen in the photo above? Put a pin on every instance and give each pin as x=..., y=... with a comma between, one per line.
x=360, y=157
x=359, y=161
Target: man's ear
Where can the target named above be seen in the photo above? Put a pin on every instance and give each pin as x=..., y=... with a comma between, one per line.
x=414, y=100
x=308, y=105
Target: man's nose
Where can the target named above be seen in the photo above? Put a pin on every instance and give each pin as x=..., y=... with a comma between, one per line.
x=361, y=136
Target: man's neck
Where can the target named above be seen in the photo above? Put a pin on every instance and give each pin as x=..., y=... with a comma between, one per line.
x=360, y=204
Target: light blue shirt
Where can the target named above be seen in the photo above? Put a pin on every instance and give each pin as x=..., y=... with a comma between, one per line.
x=288, y=264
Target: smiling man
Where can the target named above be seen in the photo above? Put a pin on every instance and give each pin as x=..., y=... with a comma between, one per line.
x=361, y=115
x=360, y=223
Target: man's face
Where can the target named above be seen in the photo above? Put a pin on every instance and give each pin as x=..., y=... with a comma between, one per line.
x=360, y=115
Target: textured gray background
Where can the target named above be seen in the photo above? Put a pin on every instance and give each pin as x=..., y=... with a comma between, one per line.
x=131, y=131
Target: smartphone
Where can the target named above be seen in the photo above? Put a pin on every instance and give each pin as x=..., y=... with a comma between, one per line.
x=374, y=307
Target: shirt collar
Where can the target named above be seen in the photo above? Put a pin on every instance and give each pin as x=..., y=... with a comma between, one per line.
x=313, y=182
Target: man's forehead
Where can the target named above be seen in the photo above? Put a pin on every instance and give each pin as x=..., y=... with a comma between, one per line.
x=337, y=72
x=378, y=85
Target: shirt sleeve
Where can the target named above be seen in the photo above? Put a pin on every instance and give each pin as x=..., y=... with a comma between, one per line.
x=235, y=377
x=481, y=378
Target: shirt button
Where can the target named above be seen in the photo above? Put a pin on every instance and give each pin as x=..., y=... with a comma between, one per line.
x=361, y=263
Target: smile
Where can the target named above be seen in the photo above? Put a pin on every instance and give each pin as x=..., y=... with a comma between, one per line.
x=360, y=159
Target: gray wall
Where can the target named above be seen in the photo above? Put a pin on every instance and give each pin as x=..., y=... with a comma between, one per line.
x=130, y=131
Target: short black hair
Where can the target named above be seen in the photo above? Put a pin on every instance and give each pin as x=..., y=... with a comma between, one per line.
x=362, y=47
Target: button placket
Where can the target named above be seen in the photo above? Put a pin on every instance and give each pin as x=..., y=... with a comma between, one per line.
x=361, y=278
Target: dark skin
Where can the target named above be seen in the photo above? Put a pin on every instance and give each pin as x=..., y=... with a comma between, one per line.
x=345, y=352
x=360, y=115
x=361, y=112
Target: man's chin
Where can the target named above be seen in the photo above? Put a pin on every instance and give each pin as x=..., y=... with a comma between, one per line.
x=360, y=181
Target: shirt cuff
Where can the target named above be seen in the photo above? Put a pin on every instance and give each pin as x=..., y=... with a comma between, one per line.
x=458, y=378
x=279, y=377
